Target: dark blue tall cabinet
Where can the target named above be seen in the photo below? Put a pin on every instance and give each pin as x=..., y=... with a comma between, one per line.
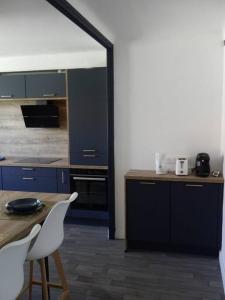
x=88, y=116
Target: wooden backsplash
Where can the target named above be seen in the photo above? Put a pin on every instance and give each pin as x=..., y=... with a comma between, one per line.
x=17, y=140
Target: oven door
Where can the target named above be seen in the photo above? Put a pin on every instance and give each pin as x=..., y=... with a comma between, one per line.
x=92, y=192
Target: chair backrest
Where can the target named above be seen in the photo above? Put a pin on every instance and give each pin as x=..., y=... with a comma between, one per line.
x=52, y=232
x=12, y=258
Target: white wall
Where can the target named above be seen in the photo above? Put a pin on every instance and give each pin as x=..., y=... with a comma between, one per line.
x=168, y=80
x=86, y=59
x=222, y=252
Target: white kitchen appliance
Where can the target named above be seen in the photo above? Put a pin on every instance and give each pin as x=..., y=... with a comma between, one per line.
x=160, y=166
x=181, y=166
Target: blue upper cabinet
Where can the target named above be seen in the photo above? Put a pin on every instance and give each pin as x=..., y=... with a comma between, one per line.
x=88, y=116
x=12, y=86
x=45, y=85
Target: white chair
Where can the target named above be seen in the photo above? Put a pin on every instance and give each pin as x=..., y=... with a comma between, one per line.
x=47, y=243
x=12, y=258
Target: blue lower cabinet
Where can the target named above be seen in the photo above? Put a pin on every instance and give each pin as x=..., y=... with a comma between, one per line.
x=63, y=181
x=29, y=171
x=30, y=184
x=0, y=178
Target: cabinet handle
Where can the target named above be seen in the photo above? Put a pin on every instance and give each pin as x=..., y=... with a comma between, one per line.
x=27, y=169
x=89, y=150
x=89, y=178
x=147, y=183
x=63, y=177
x=194, y=185
x=28, y=178
x=6, y=96
x=49, y=95
x=89, y=155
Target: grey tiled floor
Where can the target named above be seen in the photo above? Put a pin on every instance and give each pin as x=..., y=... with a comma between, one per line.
x=98, y=269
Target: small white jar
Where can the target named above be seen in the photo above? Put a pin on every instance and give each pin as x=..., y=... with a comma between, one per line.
x=160, y=163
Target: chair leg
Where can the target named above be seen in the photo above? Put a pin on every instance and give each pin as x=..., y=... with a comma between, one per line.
x=31, y=279
x=44, y=279
x=60, y=270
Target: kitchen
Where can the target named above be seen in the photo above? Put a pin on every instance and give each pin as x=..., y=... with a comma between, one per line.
x=148, y=119
x=60, y=123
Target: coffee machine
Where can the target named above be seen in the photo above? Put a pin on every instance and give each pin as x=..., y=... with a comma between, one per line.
x=202, y=167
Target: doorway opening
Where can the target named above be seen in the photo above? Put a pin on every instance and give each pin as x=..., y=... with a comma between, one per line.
x=72, y=14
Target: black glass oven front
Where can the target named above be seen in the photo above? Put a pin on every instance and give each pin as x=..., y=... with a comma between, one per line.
x=91, y=186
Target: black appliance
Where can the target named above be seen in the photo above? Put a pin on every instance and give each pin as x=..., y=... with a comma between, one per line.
x=202, y=167
x=40, y=116
x=92, y=189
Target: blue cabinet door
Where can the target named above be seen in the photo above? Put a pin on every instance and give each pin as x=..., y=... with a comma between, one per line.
x=148, y=211
x=12, y=86
x=63, y=180
x=88, y=116
x=0, y=178
x=48, y=85
x=195, y=214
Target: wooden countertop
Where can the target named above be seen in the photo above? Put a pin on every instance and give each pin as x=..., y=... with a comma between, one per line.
x=61, y=163
x=13, y=227
x=151, y=175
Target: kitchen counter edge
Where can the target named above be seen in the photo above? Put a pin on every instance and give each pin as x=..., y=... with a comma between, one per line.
x=151, y=175
x=61, y=163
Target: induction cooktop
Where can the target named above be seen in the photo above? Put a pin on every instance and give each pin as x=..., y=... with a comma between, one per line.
x=38, y=160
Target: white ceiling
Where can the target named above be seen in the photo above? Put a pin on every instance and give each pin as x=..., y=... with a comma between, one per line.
x=31, y=27
x=132, y=19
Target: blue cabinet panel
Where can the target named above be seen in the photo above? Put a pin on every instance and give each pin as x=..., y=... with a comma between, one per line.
x=46, y=85
x=89, y=158
x=29, y=179
x=30, y=184
x=12, y=86
x=148, y=211
x=88, y=108
x=0, y=178
x=28, y=171
x=194, y=214
x=63, y=180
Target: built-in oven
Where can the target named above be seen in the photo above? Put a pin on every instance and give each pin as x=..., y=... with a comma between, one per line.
x=92, y=189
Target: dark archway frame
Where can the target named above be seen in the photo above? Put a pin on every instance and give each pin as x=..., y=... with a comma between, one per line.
x=70, y=12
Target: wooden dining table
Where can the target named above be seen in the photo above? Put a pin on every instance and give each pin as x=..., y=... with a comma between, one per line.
x=14, y=227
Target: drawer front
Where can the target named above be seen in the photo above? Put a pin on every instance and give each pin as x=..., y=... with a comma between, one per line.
x=45, y=85
x=28, y=171
x=88, y=158
x=30, y=184
x=63, y=181
x=194, y=214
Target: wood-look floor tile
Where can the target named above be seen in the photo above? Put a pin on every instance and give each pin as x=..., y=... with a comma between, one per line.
x=99, y=269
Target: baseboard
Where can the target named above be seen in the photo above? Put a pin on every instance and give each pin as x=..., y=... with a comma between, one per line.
x=222, y=269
